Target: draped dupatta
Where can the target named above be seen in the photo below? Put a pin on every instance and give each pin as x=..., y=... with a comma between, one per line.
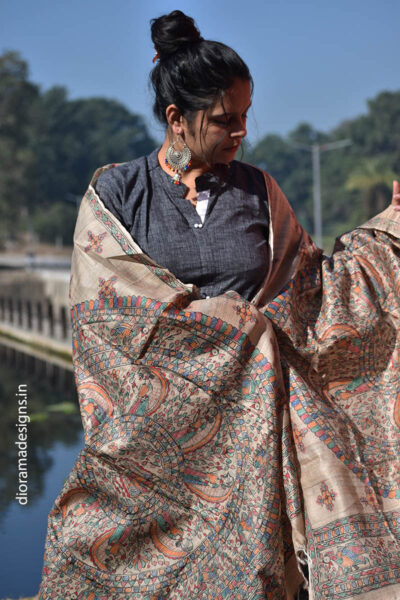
x=230, y=444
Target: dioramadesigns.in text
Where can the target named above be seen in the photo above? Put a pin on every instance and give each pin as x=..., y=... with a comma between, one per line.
x=22, y=443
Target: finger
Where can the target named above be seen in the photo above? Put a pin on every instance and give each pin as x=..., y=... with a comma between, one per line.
x=396, y=196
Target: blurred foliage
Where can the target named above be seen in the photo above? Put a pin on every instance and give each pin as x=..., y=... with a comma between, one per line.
x=356, y=181
x=17, y=95
x=374, y=179
x=50, y=146
x=58, y=218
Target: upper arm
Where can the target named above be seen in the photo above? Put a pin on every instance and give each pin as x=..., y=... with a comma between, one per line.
x=110, y=189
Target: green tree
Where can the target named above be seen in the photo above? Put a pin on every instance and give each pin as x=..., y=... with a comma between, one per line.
x=17, y=95
x=378, y=132
x=375, y=136
x=374, y=178
x=51, y=145
x=55, y=223
x=291, y=166
x=72, y=139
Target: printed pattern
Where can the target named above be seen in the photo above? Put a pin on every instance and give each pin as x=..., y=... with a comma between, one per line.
x=246, y=313
x=355, y=555
x=175, y=487
x=219, y=442
x=327, y=497
x=340, y=354
x=107, y=290
x=95, y=242
x=299, y=435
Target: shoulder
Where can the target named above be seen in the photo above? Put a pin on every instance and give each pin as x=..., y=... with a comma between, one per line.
x=118, y=178
x=260, y=177
x=249, y=177
x=121, y=187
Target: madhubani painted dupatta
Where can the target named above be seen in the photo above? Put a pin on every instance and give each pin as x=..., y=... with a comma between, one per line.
x=227, y=442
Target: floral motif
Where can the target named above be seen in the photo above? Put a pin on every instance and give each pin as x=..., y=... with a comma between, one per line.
x=370, y=498
x=327, y=497
x=298, y=436
x=107, y=290
x=95, y=242
x=245, y=313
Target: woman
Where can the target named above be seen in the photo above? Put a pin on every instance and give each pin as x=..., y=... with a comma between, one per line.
x=239, y=392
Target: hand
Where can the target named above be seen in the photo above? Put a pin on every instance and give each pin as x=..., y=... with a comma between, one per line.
x=396, y=196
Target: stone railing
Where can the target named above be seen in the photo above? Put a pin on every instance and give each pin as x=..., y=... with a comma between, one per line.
x=34, y=307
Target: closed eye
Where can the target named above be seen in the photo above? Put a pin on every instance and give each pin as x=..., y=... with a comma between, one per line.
x=224, y=123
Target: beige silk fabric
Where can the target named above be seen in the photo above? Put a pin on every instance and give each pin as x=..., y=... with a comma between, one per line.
x=229, y=442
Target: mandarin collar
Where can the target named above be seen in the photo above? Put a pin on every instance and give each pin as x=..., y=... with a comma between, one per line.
x=213, y=180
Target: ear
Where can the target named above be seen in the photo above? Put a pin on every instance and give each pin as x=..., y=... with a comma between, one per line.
x=174, y=119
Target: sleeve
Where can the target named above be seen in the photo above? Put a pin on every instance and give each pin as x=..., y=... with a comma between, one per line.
x=121, y=189
x=110, y=189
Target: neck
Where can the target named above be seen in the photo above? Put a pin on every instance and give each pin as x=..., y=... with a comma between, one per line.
x=196, y=169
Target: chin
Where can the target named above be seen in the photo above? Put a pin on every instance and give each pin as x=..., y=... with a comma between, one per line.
x=228, y=155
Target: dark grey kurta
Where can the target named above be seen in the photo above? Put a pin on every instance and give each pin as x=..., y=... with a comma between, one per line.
x=229, y=251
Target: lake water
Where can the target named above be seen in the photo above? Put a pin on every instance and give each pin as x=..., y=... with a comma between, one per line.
x=55, y=437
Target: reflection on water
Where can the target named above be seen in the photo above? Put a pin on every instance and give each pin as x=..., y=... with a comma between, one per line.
x=55, y=437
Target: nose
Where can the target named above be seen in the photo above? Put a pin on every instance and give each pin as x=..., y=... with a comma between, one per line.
x=239, y=131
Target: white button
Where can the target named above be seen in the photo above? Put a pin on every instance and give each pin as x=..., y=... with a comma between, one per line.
x=199, y=224
x=207, y=297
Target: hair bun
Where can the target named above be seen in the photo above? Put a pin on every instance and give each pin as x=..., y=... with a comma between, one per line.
x=172, y=32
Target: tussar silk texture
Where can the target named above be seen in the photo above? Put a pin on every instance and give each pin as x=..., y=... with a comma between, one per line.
x=227, y=442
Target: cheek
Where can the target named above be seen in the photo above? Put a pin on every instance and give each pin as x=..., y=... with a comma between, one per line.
x=194, y=144
x=217, y=137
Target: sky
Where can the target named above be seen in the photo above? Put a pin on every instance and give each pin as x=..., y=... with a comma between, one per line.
x=312, y=61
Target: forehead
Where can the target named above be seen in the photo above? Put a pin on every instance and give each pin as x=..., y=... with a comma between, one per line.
x=235, y=98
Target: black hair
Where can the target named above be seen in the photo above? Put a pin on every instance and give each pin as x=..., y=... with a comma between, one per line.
x=191, y=72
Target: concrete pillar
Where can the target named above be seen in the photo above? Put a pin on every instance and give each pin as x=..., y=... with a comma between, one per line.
x=29, y=322
x=48, y=319
x=10, y=310
x=58, y=329
x=20, y=322
x=38, y=317
x=63, y=321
